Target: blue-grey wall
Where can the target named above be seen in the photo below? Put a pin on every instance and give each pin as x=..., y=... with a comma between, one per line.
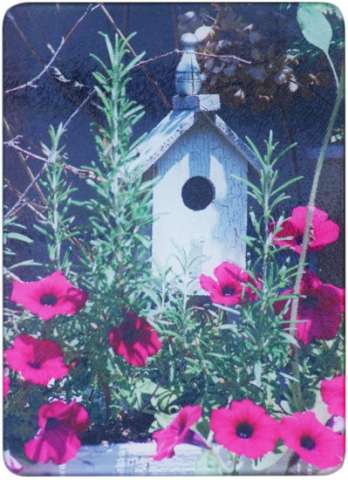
x=28, y=28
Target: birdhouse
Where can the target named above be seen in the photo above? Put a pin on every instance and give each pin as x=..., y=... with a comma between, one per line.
x=199, y=203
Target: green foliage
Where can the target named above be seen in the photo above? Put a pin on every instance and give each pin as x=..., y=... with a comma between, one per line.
x=109, y=257
x=116, y=262
x=210, y=354
x=315, y=27
x=57, y=225
x=317, y=30
x=194, y=363
x=14, y=232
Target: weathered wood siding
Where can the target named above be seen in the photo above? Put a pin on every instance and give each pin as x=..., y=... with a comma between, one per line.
x=215, y=233
x=133, y=459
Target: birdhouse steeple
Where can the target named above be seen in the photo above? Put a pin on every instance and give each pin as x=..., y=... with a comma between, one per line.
x=188, y=74
x=188, y=81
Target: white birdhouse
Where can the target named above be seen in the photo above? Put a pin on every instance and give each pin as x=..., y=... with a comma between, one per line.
x=198, y=205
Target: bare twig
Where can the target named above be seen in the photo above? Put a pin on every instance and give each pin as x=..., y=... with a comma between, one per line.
x=35, y=209
x=177, y=51
x=81, y=172
x=24, y=38
x=158, y=57
x=32, y=83
x=222, y=56
x=24, y=194
x=153, y=82
x=13, y=143
x=28, y=203
x=79, y=108
x=25, y=165
x=90, y=8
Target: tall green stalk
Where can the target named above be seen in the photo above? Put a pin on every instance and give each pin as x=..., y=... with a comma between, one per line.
x=57, y=224
x=306, y=236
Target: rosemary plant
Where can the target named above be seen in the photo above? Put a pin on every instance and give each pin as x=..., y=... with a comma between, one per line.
x=116, y=265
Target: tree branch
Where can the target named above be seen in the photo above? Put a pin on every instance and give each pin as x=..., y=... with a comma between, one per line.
x=32, y=83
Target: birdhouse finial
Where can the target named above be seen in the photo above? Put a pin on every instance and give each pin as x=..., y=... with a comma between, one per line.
x=188, y=74
x=188, y=80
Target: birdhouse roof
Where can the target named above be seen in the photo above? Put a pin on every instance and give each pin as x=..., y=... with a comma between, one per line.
x=175, y=124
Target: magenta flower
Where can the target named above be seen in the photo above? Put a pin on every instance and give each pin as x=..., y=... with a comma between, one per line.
x=49, y=297
x=333, y=394
x=320, y=312
x=38, y=361
x=57, y=439
x=312, y=441
x=245, y=428
x=230, y=286
x=178, y=431
x=135, y=340
x=323, y=231
x=6, y=383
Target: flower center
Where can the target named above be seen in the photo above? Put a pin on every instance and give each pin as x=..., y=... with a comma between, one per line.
x=299, y=239
x=310, y=301
x=228, y=291
x=181, y=425
x=48, y=299
x=307, y=442
x=52, y=423
x=130, y=336
x=299, y=236
x=35, y=364
x=244, y=430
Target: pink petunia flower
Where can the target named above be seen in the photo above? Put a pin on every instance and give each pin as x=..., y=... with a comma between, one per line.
x=6, y=385
x=12, y=463
x=38, y=361
x=333, y=394
x=135, y=340
x=323, y=231
x=319, y=313
x=49, y=297
x=230, y=288
x=57, y=439
x=245, y=428
x=178, y=431
x=313, y=442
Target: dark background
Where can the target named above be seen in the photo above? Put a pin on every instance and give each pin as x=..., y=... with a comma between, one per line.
x=29, y=28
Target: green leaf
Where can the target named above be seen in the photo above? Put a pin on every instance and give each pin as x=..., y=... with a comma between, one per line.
x=258, y=374
x=20, y=237
x=25, y=263
x=162, y=420
x=289, y=377
x=290, y=339
x=208, y=464
x=315, y=27
x=268, y=461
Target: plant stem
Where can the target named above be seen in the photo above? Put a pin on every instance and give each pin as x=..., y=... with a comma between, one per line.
x=333, y=71
x=306, y=236
x=107, y=397
x=311, y=204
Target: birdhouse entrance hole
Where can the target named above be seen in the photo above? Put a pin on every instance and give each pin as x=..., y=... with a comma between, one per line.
x=197, y=193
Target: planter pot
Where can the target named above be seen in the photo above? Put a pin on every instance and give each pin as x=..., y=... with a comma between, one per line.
x=136, y=459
